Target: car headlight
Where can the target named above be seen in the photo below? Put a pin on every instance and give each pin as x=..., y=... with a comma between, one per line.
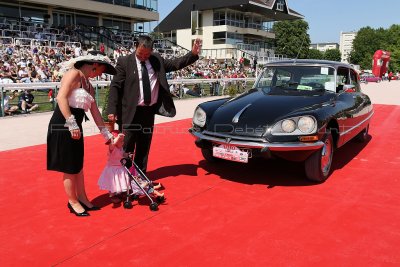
x=199, y=117
x=306, y=124
x=288, y=126
x=301, y=125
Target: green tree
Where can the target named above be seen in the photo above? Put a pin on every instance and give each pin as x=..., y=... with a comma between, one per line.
x=315, y=54
x=368, y=40
x=291, y=38
x=364, y=46
x=393, y=45
x=333, y=54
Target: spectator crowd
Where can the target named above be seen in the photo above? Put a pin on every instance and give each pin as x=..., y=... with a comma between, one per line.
x=35, y=56
x=29, y=64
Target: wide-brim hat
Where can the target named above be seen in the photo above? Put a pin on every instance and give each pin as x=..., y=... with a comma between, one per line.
x=97, y=57
x=92, y=57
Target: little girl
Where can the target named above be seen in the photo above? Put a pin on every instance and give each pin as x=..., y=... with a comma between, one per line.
x=114, y=177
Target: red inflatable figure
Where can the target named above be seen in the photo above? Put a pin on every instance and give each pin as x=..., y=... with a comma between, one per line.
x=380, y=63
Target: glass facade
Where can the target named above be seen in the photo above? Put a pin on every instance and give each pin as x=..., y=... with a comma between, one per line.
x=117, y=23
x=31, y=14
x=150, y=5
x=87, y=20
x=240, y=20
x=9, y=11
x=227, y=38
x=62, y=18
x=170, y=36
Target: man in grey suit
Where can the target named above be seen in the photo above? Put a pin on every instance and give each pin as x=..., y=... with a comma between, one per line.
x=140, y=90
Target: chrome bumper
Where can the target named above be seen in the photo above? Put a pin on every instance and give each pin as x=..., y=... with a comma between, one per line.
x=257, y=143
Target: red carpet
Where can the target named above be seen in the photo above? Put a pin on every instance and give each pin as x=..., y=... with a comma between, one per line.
x=261, y=214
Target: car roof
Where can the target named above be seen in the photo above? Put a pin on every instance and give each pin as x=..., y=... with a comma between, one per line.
x=335, y=64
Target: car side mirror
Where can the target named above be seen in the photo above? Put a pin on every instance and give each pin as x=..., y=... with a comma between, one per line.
x=349, y=88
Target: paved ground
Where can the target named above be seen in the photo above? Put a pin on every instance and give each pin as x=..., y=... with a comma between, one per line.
x=387, y=93
x=22, y=131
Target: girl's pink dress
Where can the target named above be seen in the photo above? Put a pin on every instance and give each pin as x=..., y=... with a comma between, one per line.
x=114, y=177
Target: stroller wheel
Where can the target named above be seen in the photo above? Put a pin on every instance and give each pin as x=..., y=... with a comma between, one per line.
x=153, y=206
x=160, y=199
x=127, y=205
x=134, y=197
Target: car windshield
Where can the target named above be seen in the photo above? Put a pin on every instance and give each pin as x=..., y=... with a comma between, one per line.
x=300, y=78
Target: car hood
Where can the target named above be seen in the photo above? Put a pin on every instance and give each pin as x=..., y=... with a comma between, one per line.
x=256, y=111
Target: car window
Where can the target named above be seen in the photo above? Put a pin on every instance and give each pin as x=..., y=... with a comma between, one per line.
x=300, y=78
x=342, y=78
x=353, y=78
x=324, y=79
x=278, y=77
x=282, y=77
x=266, y=78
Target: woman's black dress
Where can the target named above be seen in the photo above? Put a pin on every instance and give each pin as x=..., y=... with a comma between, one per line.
x=64, y=154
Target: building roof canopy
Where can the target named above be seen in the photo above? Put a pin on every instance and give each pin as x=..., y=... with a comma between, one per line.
x=180, y=17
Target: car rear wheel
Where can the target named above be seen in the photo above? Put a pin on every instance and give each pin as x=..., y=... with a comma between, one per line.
x=318, y=165
x=208, y=155
x=362, y=136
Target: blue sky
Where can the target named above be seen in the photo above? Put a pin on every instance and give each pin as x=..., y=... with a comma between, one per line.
x=326, y=19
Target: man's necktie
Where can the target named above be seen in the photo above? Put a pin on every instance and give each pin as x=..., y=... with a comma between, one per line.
x=146, y=84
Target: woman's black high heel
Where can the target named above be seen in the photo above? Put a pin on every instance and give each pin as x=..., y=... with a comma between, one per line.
x=80, y=214
x=89, y=209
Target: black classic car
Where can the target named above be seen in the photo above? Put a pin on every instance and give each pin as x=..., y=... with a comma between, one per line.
x=298, y=110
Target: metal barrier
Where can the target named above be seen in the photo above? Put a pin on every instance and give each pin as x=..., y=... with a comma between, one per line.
x=31, y=42
x=5, y=41
x=25, y=86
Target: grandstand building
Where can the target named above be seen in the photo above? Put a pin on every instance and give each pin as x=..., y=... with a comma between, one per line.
x=228, y=28
x=99, y=21
x=120, y=14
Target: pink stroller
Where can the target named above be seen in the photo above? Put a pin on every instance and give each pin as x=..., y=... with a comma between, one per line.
x=136, y=189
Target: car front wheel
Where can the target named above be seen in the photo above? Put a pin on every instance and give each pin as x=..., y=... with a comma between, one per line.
x=318, y=165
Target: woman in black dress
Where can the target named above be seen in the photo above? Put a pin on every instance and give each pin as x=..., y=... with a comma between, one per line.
x=64, y=137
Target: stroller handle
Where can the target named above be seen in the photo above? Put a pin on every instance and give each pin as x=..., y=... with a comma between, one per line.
x=126, y=162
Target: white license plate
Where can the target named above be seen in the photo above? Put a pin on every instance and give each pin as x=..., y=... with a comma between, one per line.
x=230, y=153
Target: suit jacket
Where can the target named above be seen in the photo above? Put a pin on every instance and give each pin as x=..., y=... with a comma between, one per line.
x=125, y=90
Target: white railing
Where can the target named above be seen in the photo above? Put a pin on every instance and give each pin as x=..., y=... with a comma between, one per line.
x=248, y=47
x=6, y=41
x=51, y=85
x=180, y=83
x=221, y=53
x=29, y=42
x=197, y=81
